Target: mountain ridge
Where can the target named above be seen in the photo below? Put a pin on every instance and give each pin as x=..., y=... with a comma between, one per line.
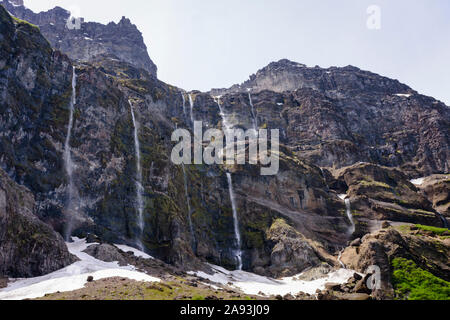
x=122, y=39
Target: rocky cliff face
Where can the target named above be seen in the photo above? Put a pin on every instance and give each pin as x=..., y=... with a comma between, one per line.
x=339, y=116
x=330, y=118
x=28, y=247
x=122, y=39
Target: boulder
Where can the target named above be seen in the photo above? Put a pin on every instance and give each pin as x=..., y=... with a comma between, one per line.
x=333, y=286
x=107, y=253
x=385, y=225
x=356, y=242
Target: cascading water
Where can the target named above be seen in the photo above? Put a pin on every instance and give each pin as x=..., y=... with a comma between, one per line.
x=191, y=105
x=255, y=120
x=350, y=216
x=348, y=211
x=444, y=220
x=188, y=201
x=237, y=233
x=227, y=126
x=184, y=104
x=139, y=187
x=73, y=204
x=340, y=259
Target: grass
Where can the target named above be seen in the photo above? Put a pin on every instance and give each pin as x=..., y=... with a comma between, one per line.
x=413, y=283
x=435, y=230
x=372, y=183
x=20, y=21
x=125, y=289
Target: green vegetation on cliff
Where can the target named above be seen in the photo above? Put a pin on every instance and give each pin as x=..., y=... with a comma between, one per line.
x=413, y=283
x=435, y=230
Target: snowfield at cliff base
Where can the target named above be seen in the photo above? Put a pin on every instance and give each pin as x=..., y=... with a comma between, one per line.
x=75, y=276
x=254, y=284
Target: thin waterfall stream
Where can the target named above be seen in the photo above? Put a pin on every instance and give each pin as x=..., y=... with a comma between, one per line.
x=191, y=112
x=237, y=234
x=138, y=181
x=188, y=204
x=255, y=120
x=348, y=211
x=73, y=204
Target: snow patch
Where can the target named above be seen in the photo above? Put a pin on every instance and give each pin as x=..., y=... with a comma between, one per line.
x=253, y=284
x=71, y=278
x=418, y=182
x=403, y=95
x=136, y=252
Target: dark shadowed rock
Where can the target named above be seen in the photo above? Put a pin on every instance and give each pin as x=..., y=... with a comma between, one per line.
x=385, y=225
x=28, y=247
x=107, y=253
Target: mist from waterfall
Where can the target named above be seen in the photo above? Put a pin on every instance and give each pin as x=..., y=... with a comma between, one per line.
x=188, y=204
x=237, y=233
x=139, y=187
x=73, y=203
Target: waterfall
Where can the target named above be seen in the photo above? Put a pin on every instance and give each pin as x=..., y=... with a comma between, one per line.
x=188, y=201
x=255, y=120
x=191, y=104
x=139, y=187
x=349, y=215
x=72, y=193
x=184, y=104
x=237, y=233
x=227, y=125
x=443, y=219
x=348, y=211
x=340, y=259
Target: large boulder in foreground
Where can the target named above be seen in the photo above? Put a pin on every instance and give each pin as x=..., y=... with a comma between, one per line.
x=398, y=252
x=28, y=247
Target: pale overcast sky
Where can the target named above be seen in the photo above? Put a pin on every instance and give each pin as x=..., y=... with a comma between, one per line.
x=203, y=44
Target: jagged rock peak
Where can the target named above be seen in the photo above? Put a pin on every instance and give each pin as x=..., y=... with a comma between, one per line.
x=89, y=39
x=286, y=75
